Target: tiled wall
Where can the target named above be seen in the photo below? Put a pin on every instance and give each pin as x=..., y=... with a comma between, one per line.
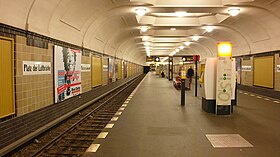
x=32, y=91
x=247, y=76
x=86, y=76
x=277, y=74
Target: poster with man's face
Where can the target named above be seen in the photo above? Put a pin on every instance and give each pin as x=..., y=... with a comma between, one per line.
x=67, y=70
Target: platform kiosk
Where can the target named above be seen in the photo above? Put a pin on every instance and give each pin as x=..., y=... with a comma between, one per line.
x=217, y=81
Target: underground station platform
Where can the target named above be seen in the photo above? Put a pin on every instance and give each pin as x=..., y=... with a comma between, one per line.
x=153, y=123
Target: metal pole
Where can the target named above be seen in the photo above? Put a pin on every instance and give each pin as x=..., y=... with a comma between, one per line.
x=170, y=68
x=195, y=91
x=183, y=90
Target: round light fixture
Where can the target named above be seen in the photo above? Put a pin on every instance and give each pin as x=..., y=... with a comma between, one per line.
x=195, y=38
x=187, y=43
x=181, y=47
x=140, y=11
x=234, y=12
x=173, y=29
x=177, y=50
x=209, y=29
x=144, y=28
x=145, y=38
x=180, y=13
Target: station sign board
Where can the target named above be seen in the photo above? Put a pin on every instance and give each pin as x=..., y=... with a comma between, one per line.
x=152, y=59
x=278, y=68
x=149, y=59
x=188, y=58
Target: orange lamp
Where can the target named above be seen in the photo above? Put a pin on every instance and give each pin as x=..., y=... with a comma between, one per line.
x=224, y=49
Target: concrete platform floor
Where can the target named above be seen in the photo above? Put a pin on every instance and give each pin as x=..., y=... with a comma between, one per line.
x=155, y=125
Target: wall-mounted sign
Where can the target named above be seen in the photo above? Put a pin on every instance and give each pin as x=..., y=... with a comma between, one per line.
x=278, y=68
x=36, y=68
x=105, y=67
x=224, y=78
x=67, y=72
x=149, y=59
x=85, y=67
x=187, y=58
x=246, y=68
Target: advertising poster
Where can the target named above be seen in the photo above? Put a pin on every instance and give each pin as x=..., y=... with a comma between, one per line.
x=111, y=69
x=67, y=70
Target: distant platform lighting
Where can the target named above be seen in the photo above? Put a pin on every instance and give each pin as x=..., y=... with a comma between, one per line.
x=180, y=13
x=195, y=38
x=181, y=47
x=145, y=38
x=144, y=28
x=173, y=29
x=148, y=48
x=140, y=11
x=234, y=12
x=187, y=43
x=177, y=50
x=146, y=43
x=209, y=29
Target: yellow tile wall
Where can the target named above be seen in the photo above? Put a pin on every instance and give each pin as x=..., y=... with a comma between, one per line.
x=86, y=76
x=32, y=91
x=247, y=76
x=277, y=74
x=105, y=74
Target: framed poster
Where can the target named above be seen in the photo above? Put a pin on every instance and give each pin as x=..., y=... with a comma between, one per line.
x=67, y=73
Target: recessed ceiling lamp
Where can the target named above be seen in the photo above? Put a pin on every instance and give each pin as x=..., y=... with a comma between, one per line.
x=173, y=29
x=144, y=28
x=234, y=12
x=209, y=29
x=181, y=47
x=187, y=43
x=146, y=43
x=180, y=13
x=195, y=38
x=177, y=50
x=140, y=11
x=148, y=48
x=145, y=38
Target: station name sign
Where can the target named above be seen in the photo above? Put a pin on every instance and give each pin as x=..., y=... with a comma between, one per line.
x=36, y=68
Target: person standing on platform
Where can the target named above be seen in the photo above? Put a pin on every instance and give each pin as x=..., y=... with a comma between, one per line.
x=190, y=74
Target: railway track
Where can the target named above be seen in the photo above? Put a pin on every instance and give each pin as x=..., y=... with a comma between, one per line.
x=73, y=136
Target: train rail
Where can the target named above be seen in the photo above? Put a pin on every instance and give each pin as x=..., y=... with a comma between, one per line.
x=74, y=135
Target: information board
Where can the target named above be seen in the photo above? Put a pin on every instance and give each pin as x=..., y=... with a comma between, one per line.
x=224, y=78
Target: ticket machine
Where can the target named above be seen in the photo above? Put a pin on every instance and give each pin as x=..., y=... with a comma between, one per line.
x=218, y=84
x=207, y=82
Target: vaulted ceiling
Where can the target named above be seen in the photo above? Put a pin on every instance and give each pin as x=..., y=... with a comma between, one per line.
x=112, y=26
